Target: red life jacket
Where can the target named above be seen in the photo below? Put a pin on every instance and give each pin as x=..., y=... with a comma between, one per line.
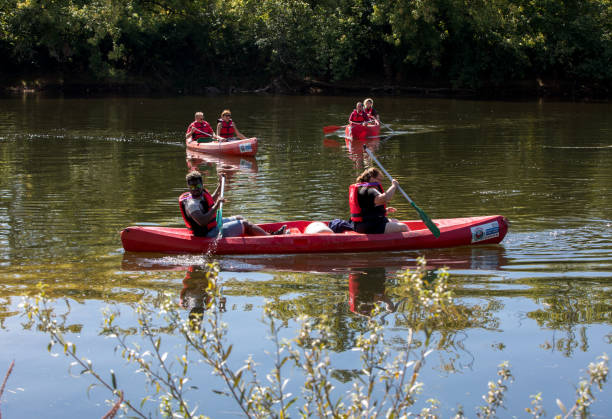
x=189, y=222
x=371, y=112
x=227, y=129
x=356, y=210
x=203, y=127
x=358, y=117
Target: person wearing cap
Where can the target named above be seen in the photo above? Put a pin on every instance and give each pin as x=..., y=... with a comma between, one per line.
x=368, y=107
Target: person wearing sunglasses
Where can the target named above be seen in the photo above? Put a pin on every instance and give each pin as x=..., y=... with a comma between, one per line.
x=368, y=107
x=200, y=130
x=199, y=210
x=226, y=128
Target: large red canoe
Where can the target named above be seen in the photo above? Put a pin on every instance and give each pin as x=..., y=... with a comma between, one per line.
x=361, y=132
x=247, y=147
x=453, y=232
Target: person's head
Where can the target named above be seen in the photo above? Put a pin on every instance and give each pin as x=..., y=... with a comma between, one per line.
x=370, y=175
x=226, y=115
x=195, y=183
x=368, y=103
x=359, y=106
x=199, y=116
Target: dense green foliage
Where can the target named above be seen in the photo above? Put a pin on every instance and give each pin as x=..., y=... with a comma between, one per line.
x=191, y=43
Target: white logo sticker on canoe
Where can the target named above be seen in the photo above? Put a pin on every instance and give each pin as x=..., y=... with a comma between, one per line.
x=245, y=164
x=485, y=232
x=246, y=148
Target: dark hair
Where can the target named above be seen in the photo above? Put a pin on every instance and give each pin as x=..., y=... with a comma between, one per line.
x=193, y=175
x=367, y=175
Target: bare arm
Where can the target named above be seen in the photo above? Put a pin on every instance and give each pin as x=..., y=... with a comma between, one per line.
x=238, y=133
x=193, y=209
x=385, y=198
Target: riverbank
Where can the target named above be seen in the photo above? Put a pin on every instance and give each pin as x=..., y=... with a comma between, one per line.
x=516, y=90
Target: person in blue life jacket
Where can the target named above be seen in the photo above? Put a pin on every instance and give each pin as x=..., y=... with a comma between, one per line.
x=368, y=204
x=227, y=128
x=201, y=131
x=199, y=210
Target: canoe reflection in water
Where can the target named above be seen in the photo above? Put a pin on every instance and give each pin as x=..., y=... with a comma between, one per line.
x=196, y=294
x=225, y=165
x=366, y=290
x=469, y=258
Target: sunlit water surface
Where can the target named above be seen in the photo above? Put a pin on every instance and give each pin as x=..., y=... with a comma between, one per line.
x=74, y=172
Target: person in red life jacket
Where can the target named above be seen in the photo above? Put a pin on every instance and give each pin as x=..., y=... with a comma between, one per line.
x=227, y=128
x=358, y=116
x=200, y=130
x=368, y=107
x=199, y=210
x=368, y=203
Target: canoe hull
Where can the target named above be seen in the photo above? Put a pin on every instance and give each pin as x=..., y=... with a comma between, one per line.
x=361, y=132
x=247, y=147
x=454, y=232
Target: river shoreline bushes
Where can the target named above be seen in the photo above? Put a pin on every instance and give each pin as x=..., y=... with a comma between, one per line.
x=440, y=47
x=386, y=381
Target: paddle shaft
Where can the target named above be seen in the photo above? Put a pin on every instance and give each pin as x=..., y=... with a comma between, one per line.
x=399, y=188
x=220, y=210
x=428, y=222
x=205, y=133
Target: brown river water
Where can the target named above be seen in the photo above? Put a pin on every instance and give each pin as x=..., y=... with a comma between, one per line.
x=75, y=171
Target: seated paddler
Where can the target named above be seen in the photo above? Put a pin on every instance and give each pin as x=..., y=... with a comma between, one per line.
x=227, y=128
x=368, y=203
x=199, y=210
x=200, y=130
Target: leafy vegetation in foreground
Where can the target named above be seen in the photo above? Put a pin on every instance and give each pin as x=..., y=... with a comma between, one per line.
x=194, y=43
x=386, y=386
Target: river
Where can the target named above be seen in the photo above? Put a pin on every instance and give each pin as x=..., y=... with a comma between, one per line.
x=75, y=171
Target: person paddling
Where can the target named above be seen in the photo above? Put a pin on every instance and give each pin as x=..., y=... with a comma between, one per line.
x=358, y=116
x=200, y=130
x=199, y=210
x=227, y=128
x=368, y=203
x=368, y=107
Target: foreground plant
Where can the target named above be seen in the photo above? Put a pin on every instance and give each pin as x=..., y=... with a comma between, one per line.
x=386, y=386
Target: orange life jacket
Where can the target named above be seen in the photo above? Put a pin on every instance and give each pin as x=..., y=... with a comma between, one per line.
x=189, y=222
x=357, y=213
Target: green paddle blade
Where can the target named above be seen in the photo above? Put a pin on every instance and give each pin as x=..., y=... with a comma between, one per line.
x=430, y=224
x=220, y=220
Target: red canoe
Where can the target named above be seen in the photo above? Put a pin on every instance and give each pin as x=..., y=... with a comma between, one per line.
x=361, y=132
x=247, y=147
x=453, y=232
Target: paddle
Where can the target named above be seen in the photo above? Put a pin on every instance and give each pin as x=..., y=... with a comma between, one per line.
x=206, y=133
x=220, y=210
x=387, y=126
x=430, y=224
x=332, y=128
